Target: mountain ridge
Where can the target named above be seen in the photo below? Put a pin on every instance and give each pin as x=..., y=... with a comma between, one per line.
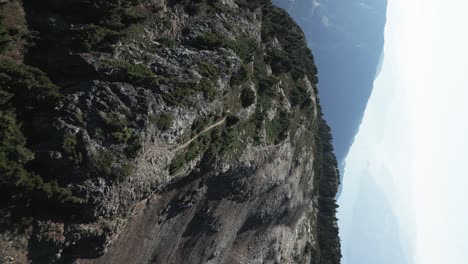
x=163, y=132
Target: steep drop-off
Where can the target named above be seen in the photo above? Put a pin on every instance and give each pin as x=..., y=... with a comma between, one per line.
x=162, y=132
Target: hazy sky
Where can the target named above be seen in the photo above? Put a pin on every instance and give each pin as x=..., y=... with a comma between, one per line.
x=414, y=136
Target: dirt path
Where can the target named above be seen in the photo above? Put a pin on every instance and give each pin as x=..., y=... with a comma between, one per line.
x=186, y=144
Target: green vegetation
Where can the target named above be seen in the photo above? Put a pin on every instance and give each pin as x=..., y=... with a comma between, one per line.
x=267, y=91
x=208, y=88
x=117, y=126
x=231, y=120
x=4, y=38
x=224, y=142
x=105, y=21
x=208, y=70
x=123, y=135
x=177, y=163
x=70, y=148
x=124, y=171
x=16, y=181
x=277, y=129
x=102, y=163
x=328, y=180
x=247, y=97
x=26, y=89
x=137, y=74
x=200, y=123
x=92, y=37
x=194, y=150
x=199, y=7
x=133, y=146
x=243, y=47
x=298, y=94
x=242, y=76
x=219, y=142
x=169, y=43
x=298, y=61
x=210, y=41
x=164, y=121
x=13, y=152
x=114, y=121
x=183, y=89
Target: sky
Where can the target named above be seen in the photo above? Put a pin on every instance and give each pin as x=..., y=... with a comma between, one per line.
x=412, y=145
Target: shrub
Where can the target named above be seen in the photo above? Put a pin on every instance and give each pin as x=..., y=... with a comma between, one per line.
x=92, y=37
x=231, y=120
x=176, y=163
x=281, y=126
x=208, y=88
x=122, y=136
x=133, y=147
x=124, y=171
x=182, y=90
x=139, y=74
x=298, y=94
x=241, y=76
x=29, y=88
x=169, y=43
x=15, y=180
x=4, y=38
x=194, y=150
x=199, y=124
x=164, y=121
x=298, y=60
x=69, y=147
x=102, y=163
x=210, y=40
x=247, y=97
x=208, y=70
x=115, y=121
x=13, y=152
x=244, y=48
x=104, y=21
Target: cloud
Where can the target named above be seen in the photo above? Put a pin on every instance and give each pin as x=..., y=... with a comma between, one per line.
x=326, y=21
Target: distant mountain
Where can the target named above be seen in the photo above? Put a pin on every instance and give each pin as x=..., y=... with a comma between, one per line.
x=374, y=229
x=346, y=37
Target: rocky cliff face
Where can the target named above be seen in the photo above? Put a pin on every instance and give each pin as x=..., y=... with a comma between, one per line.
x=190, y=134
